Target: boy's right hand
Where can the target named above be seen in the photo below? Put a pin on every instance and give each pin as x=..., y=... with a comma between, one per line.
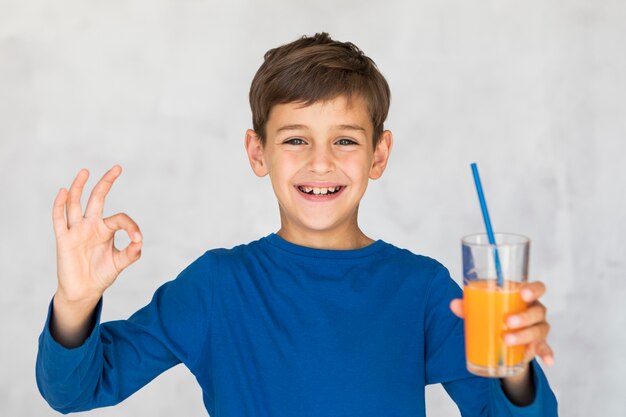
x=87, y=260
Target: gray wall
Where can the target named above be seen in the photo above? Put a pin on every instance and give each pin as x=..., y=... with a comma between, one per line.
x=531, y=90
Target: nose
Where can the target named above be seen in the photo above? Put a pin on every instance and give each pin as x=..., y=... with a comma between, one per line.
x=321, y=160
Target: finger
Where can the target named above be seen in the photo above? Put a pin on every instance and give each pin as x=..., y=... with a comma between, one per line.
x=126, y=257
x=59, y=223
x=122, y=221
x=529, y=335
x=532, y=291
x=74, y=211
x=95, y=205
x=544, y=351
x=529, y=353
x=536, y=313
x=456, y=306
x=541, y=349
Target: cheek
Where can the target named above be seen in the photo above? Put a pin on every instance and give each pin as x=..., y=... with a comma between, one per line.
x=357, y=165
x=283, y=168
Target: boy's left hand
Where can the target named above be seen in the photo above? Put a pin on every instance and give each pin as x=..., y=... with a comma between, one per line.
x=528, y=328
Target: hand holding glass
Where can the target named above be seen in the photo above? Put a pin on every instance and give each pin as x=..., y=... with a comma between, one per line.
x=488, y=303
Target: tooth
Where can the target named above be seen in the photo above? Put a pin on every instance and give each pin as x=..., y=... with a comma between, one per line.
x=308, y=189
x=324, y=190
x=316, y=191
x=331, y=189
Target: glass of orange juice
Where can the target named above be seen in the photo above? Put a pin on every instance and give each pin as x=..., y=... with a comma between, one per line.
x=492, y=279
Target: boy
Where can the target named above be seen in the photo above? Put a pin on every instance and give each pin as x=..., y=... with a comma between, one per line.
x=315, y=320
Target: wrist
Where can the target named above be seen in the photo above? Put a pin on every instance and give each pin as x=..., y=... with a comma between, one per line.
x=75, y=301
x=71, y=321
x=520, y=388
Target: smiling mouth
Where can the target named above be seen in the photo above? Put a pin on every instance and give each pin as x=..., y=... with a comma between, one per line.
x=321, y=190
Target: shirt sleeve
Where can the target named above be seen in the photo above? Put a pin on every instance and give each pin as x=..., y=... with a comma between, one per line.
x=445, y=363
x=120, y=357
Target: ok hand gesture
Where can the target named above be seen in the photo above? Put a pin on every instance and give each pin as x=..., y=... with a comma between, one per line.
x=87, y=260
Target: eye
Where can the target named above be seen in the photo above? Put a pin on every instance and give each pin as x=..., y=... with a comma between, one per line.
x=295, y=141
x=346, y=141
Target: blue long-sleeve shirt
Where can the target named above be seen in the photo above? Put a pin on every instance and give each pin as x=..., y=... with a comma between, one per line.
x=275, y=329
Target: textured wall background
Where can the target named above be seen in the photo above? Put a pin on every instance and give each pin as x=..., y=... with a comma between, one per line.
x=533, y=91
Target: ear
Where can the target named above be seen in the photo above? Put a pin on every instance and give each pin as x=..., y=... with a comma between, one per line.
x=254, y=149
x=381, y=155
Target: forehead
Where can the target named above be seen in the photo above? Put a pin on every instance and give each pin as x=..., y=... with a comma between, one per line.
x=334, y=112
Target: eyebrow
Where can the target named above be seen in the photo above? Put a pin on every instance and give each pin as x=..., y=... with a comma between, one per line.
x=291, y=127
x=351, y=127
x=304, y=127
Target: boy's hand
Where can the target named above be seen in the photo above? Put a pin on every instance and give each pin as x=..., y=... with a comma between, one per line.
x=87, y=260
x=528, y=328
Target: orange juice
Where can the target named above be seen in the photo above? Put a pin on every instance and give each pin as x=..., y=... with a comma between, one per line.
x=486, y=308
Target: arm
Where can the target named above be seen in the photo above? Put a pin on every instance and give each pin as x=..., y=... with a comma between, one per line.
x=445, y=363
x=529, y=328
x=119, y=357
x=87, y=260
x=477, y=396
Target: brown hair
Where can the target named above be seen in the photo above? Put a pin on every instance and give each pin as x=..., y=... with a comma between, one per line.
x=317, y=68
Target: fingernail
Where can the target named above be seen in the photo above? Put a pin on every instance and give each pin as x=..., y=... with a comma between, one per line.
x=514, y=321
x=548, y=360
x=527, y=295
x=509, y=339
x=137, y=237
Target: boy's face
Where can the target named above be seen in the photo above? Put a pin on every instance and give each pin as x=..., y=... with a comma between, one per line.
x=319, y=158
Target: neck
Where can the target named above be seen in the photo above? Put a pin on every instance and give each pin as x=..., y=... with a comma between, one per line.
x=327, y=239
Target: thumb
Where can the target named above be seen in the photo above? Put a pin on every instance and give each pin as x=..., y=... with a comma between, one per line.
x=456, y=306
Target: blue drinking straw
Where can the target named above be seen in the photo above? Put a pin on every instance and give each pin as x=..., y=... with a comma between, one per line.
x=483, y=207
